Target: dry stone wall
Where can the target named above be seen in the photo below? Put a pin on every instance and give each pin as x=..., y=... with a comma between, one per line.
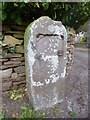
x=12, y=61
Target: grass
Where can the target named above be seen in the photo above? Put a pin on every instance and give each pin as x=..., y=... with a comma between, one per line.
x=16, y=94
x=30, y=113
x=73, y=114
x=2, y=115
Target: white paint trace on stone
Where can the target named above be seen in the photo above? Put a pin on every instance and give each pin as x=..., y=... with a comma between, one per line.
x=50, y=45
x=54, y=62
x=58, y=30
x=69, y=106
x=56, y=44
x=64, y=73
x=38, y=84
x=65, y=58
x=45, y=50
x=55, y=50
x=55, y=95
x=42, y=26
x=47, y=81
x=55, y=99
x=54, y=77
x=51, y=28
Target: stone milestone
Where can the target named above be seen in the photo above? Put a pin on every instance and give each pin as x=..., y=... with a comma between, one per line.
x=45, y=45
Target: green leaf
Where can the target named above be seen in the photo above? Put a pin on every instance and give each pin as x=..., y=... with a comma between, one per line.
x=4, y=5
x=0, y=5
x=1, y=115
x=45, y=5
x=18, y=21
x=3, y=16
x=37, y=4
x=73, y=114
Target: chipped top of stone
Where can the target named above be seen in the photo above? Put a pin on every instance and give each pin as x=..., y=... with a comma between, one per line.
x=46, y=25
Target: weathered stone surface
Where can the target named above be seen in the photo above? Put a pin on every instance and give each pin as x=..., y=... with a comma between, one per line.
x=22, y=85
x=0, y=63
x=14, y=32
x=0, y=51
x=19, y=49
x=11, y=66
x=14, y=75
x=13, y=55
x=3, y=60
x=14, y=87
x=6, y=86
x=45, y=68
x=21, y=74
x=19, y=69
x=6, y=73
x=1, y=56
x=18, y=83
x=19, y=79
x=18, y=35
x=12, y=62
x=9, y=40
x=18, y=59
x=7, y=79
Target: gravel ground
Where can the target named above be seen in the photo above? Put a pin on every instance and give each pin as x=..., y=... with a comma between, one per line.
x=76, y=94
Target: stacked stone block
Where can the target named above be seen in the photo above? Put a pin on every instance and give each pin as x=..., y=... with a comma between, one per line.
x=12, y=64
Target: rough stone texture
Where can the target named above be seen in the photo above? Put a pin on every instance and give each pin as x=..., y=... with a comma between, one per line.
x=14, y=75
x=18, y=59
x=18, y=83
x=19, y=69
x=12, y=62
x=45, y=54
x=9, y=40
x=6, y=73
x=19, y=49
x=19, y=79
x=3, y=60
x=18, y=35
x=6, y=85
x=22, y=75
x=11, y=55
x=0, y=63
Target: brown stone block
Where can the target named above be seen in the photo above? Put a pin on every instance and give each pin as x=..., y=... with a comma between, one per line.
x=12, y=62
x=14, y=75
x=18, y=83
x=5, y=73
x=22, y=85
x=22, y=74
x=19, y=69
x=3, y=60
x=6, y=79
x=13, y=55
x=19, y=79
x=18, y=36
x=6, y=86
x=19, y=49
x=18, y=59
x=9, y=40
x=11, y=66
